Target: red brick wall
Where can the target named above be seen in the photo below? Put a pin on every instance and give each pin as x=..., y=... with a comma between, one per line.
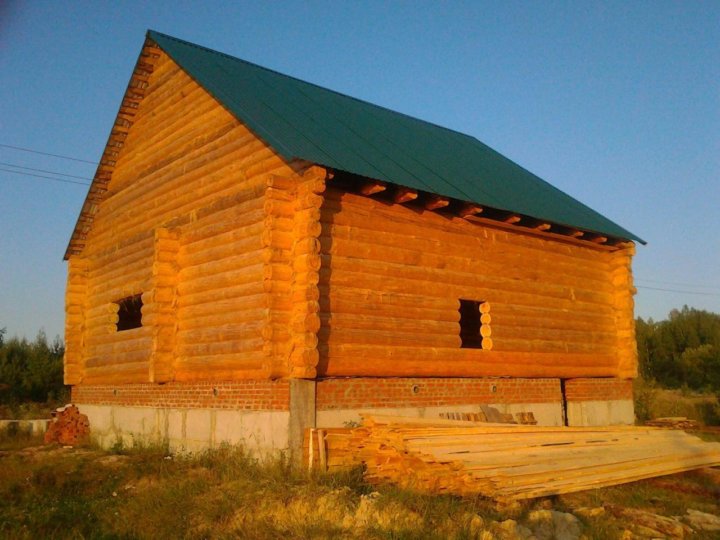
x=598, y=389
x=352, y=392
x=243, y=394
x=349, y=393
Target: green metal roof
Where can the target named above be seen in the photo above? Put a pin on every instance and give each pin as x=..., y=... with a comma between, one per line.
x=305, y=121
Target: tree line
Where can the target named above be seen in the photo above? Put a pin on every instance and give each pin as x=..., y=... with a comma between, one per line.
x=30, y=371
x=681, y=351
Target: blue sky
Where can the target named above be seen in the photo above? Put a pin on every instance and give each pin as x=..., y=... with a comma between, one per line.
x=616, y=103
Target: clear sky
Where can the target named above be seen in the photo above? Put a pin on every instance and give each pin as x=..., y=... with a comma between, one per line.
x=616, y=103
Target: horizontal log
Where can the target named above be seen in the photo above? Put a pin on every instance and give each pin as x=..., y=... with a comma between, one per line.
x=365, y=360
x=224, y=285
x=444, y=227
x=117, y=374
x=507, y=344
x=372, y=296
x=331, y=335
x=115, y=360
x=541, y=316
x=560, y=335
x=282, y=182
x=219, y=348
x=113, y=290
x=242, y=238
x=97, y=339
x=304, y=358
x=113, y=263
x=248, y=261
x=176, y=205
x=243, y=211
x=244, y=336
x=415, y=250
x=276, y=238
x=223, y=230
x=173, y=134
x=426, y=282
x=213, y=156
x=354, y=321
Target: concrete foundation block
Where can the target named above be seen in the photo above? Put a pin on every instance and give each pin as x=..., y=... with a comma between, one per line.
x=547, y=414
x=601, y=413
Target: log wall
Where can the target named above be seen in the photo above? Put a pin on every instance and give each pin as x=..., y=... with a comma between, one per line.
x=181, y=224
x=392, y=277
x=249, y=269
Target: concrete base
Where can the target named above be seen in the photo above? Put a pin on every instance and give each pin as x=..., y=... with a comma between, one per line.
x=302, y=414
x=261, y=432
x=601, y=413
x=547, y=414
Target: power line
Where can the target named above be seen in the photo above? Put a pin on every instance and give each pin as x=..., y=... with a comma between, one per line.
x=46, y=177
x=47, y=154
x=44, y=171
x=678, y=291
x=678, y=283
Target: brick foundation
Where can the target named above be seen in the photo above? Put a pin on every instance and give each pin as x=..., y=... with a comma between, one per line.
x=252, y=395
x=358, y=392
x=598, y=389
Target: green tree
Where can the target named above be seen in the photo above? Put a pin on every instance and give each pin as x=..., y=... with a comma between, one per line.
x=682, y=350
x=30, y=371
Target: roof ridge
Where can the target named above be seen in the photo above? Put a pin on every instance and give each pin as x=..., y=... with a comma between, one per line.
x=324, y=88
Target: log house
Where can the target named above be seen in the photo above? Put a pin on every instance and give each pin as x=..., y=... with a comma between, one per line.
x=257, y=255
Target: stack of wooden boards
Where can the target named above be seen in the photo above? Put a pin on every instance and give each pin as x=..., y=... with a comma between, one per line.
x=674, y=422
x=505, y=461
x=68, y=427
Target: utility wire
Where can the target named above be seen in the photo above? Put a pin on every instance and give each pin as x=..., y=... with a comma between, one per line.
x=47, y=154
x=678, y=284
x=44, y=171
x=46, y=177
x=678, y=291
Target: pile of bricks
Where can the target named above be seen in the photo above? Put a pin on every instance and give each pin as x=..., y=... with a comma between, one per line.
x=68, y=427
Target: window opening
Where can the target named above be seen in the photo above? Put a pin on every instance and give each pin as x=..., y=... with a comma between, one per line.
x=474, y=323
x=129, y=313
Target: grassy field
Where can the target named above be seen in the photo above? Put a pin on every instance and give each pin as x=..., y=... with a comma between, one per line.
x=52, y=492
x=653, y=401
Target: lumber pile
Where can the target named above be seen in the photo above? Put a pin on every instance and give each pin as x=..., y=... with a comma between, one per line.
x=674, y=422
x=509, y=461
x=491, y=414
x=68, y=427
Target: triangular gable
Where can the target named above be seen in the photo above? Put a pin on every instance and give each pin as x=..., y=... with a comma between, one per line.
x=304, y=121
x=134, y=94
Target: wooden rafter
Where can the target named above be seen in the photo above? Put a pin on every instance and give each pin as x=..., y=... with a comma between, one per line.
x=469, y=209
x=435, y=202
x=403, y=195
x=372, y=187
x=474, y=212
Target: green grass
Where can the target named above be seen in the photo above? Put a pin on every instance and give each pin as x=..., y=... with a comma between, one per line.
x=139, y=493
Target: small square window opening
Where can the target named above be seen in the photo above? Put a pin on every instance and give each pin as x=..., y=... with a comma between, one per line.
x=129, y=313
